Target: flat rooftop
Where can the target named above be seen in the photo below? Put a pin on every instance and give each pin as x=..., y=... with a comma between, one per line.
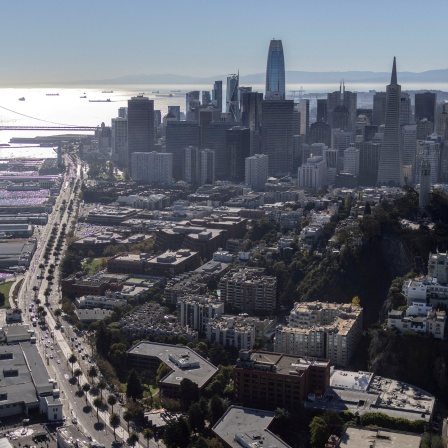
x=381, y=438
x=351, y=380
x=245, y=427
x=200, y=374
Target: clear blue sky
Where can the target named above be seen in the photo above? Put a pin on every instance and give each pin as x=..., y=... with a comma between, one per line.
x=45, y=40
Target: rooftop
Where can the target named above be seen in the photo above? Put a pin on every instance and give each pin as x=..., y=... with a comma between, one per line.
x=360, y=437
x=248, y=428
x=176, y=357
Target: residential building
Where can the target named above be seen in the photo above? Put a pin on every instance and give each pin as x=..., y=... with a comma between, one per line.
x=351, y=160
x=324, y=330
x=120, y=140
x=207, y=168
x=152, y=167
x=256, y=171
x=195, y=311
x=248, y=290
x=433, y=323
x=191, y=165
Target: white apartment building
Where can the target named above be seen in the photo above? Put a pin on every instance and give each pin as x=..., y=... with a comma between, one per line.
x=152, y=167
x=438, y=266
x=256, y=171
x=232, y=331
x=324, y=330
x=433, y=323
x=313, y=173
x=120, y=139
x=351, y=160
x=106, y=303
x=196, y=311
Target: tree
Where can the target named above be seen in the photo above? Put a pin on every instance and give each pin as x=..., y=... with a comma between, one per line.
x=112, y=401
x=189, y=393
x=148, y=435
x=86, y=388
x=127, y=417
x=72, y=359
x=196, y=417
x=92, y=373
x=101, y=386
x=114, y=421
x=134, y=387
x=176, y=434
x=133, y=438
x=162, y=371
x=77, y=373
x=2, y=299
x=367, y=209
x=216, y=408
x=57, y=313
x=98, y=403
x=320, y=432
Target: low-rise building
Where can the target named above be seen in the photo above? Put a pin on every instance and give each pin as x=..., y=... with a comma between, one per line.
x=182, y=361
x=360, y=437
x=169, y=264
x=246, y=427
x=106, y=303
x=324, y=330
x=87, y=316
x=14, y=316
x=433, y=323
x=95, y=285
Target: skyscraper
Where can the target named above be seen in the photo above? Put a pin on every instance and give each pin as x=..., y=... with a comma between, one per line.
x=140, y=125
x=276, y=139
x=207, y=166
x=379, y=108
x=256, y=171
x=390, y=169
x=341, y=109
x=232, y=102
x=119, y=140
x=275, y=70
x=425, y=106
x=217, y=95
x=179, y=135
x=238, y=149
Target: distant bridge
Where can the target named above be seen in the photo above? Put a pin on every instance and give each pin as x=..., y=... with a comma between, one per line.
x=49, y=128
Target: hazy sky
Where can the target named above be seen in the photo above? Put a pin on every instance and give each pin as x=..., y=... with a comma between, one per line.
x=56, y=40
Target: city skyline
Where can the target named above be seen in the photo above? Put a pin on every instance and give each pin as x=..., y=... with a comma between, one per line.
x=49, y=41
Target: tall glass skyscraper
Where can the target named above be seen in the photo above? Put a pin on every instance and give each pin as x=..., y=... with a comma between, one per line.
x=390, y=169
x=275, y=70
x=232, y=103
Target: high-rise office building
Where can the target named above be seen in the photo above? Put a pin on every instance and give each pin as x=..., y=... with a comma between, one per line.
x=275, y=69
x=140, y=125
x=390, y=169
x=341, y=109
x=238, y=149
x=120, y=140
x=256, y=171
x=123, y=112
x=276, y=138
x=322, y=110
x=207, y=166
x=304, y=110
x=153, y=167
x=191, y=165
x=369, y=157
x=424, y=128
x=251, y=104
x=215, y=138
x=379, y=108
x=192, y=102
x=179, y=135
x=217, y=95
x=405, y=109
x=340, y=140
x=409, y=145
x=232, y=100
x=425, y=106
x=175, y=110
x=206, y=98
x=319, y=132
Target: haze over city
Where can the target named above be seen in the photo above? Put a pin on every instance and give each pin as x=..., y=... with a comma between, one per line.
x=50, y=41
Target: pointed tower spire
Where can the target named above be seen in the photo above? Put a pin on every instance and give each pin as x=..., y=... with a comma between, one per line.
x=393, y=78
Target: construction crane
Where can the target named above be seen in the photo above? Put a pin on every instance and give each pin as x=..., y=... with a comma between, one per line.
x=300, y=92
